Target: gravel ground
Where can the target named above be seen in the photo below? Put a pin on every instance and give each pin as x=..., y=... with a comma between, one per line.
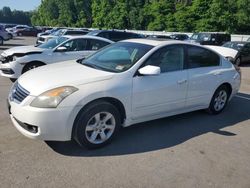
x=188, y=150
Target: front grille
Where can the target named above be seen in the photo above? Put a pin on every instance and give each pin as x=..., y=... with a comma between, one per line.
x=19, y=93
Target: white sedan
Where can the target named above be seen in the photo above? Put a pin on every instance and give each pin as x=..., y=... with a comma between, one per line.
x=16, y=61
x=125, y=83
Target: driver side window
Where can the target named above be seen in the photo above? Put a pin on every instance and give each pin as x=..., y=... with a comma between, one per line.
x=76, y=45
x=169, y=58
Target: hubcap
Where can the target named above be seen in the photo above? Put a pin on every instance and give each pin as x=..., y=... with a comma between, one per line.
x=238, y=62
x=220, y=100
x=100, y=127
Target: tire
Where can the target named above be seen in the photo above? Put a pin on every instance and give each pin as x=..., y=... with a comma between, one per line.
x=90, y=129
x=13, y=79
x=219, y=100
x=1, y=41
x=238, y=61
x=32, y=65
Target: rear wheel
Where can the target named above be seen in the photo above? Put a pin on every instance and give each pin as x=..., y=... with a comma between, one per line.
x=96, y=125
x=219, y=100
x=32, y=65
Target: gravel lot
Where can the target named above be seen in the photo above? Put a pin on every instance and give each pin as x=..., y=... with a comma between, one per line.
x=188, y=150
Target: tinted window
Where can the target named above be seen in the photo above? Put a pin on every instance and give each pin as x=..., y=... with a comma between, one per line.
x=75, y=33
x=200, y=57
x=169, y=59
x=76, y=45
x=96, y=44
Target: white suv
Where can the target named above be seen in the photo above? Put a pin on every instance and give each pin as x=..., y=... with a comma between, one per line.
x=16, y=61
x=125, y=83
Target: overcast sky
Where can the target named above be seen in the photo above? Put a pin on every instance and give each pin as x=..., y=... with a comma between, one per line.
x=25, y=5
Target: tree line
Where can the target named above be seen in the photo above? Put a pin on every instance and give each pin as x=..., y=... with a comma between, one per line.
x=15, y=16
x=232, y=16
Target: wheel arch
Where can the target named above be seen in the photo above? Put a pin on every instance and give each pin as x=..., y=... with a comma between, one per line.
x=31, y=62
x=228, y=85
x=116, y=102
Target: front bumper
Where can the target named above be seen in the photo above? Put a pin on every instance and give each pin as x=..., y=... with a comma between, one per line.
x=11, y=69
x=50, y=124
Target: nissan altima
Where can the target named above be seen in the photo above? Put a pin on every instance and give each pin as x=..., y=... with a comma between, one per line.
x=125, y=83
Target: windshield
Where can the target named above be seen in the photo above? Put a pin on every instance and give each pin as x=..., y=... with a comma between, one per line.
x=58, y=33
x=52, y=43
x=233, y=45
x=117, y=57
x=201, y=36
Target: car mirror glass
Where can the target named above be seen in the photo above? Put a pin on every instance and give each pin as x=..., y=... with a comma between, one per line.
x=61, y=49
x=150, y=70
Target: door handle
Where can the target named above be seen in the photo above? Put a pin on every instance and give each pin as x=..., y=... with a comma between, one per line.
x=182, y=81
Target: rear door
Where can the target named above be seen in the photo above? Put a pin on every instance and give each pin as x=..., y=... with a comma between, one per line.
x=204, y=75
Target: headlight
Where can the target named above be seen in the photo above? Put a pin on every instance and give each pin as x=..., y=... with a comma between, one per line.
x=53, y=97
x=14, y=58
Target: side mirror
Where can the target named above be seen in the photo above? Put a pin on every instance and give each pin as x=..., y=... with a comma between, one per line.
x=150, y=70
x=61, y=49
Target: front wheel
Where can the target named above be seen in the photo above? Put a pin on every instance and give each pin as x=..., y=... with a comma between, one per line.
x=219, y=100
x=30, y=66
x=96, y=125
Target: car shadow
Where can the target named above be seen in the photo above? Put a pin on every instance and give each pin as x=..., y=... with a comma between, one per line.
x=165, y=133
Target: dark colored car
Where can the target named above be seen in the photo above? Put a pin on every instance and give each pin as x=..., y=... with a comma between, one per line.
x=115, y=35
x=159, y=37
x=206, y=38
x=179, y=36
x=32, y=31
x=243, y=48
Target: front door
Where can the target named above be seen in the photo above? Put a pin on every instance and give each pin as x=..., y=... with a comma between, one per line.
x=166, y=92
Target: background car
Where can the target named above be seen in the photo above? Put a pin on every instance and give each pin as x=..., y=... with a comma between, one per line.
x=210, y=38
x=229, y=53
x=19, y=60
x=61, y=32
x=243, y=48
x=31, y=31
x=115, y=35
x=179, y=37
x=4, y=35
x=158, y=37
x=125, y=83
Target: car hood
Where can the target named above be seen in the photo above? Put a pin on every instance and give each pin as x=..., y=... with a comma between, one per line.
x=22, y=50
x=68, y=73
x=226, y=52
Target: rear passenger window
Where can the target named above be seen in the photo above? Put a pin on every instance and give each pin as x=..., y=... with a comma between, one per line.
x=200, y=57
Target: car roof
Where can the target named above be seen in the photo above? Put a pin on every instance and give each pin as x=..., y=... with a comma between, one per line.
x=87, y=37
x=154, y=42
